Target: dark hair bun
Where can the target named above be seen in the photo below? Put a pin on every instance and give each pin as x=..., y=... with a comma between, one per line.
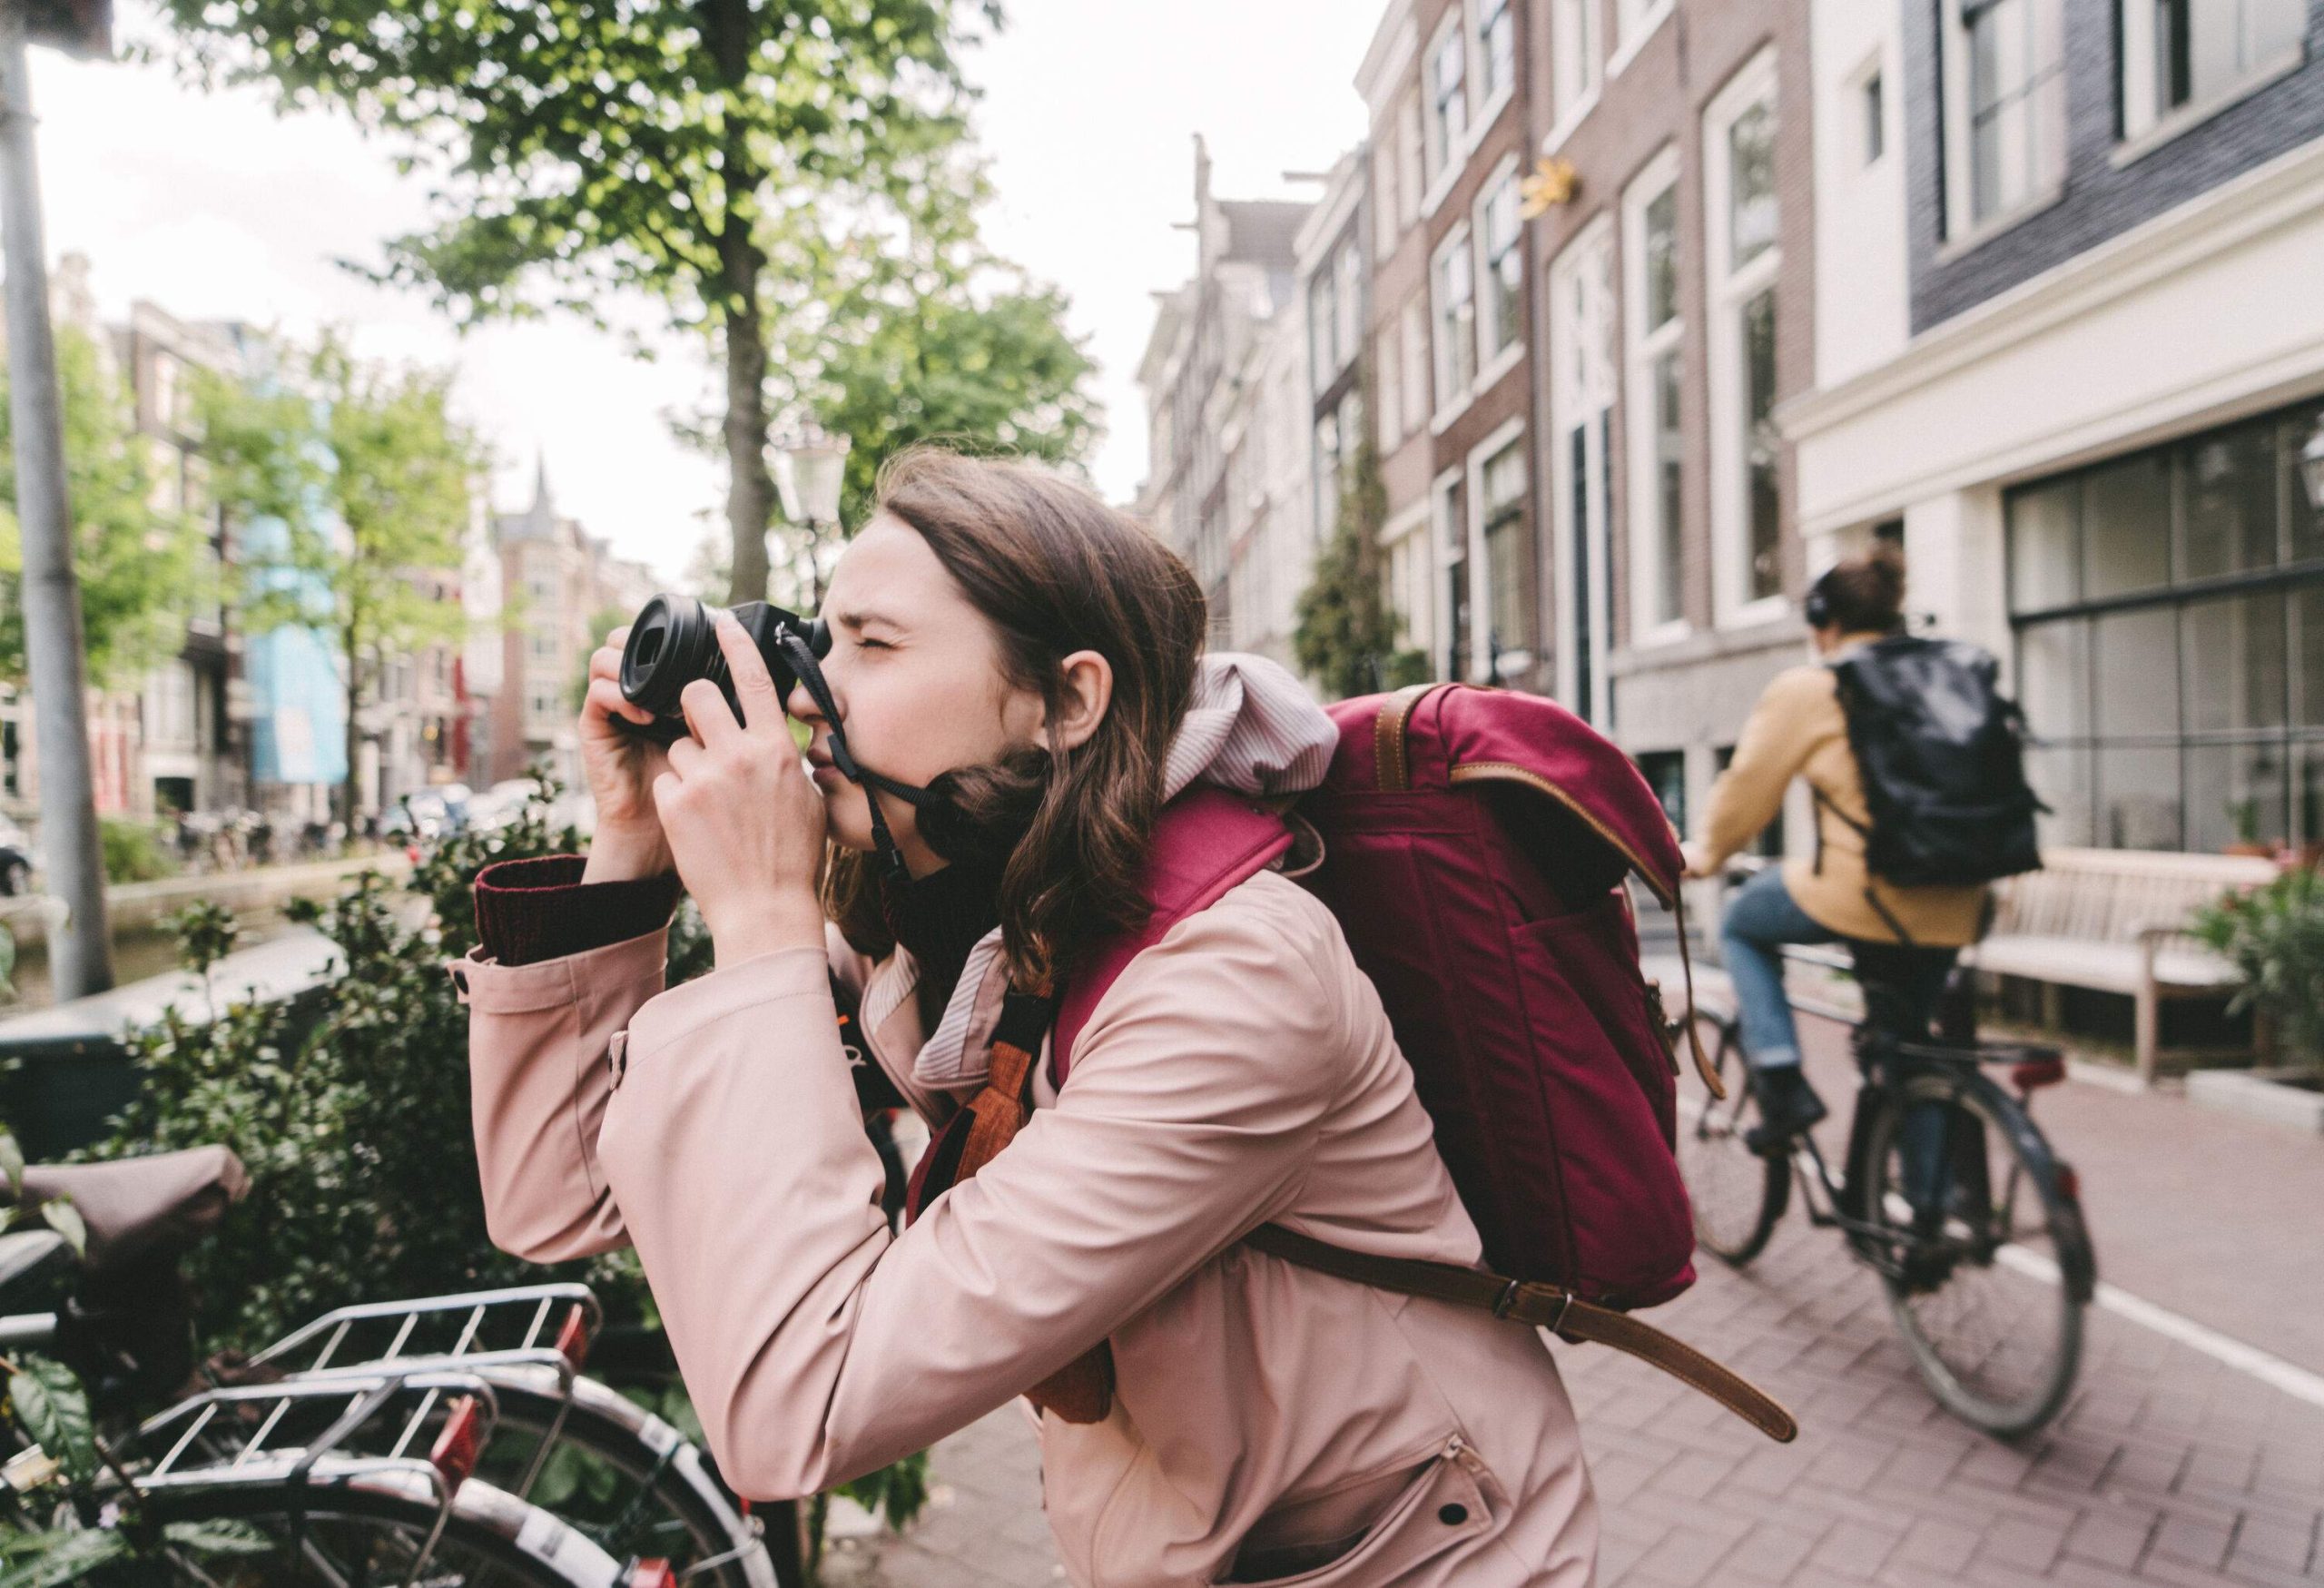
x=1866, y=594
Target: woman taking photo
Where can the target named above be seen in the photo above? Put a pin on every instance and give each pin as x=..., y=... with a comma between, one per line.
x=1019, y=671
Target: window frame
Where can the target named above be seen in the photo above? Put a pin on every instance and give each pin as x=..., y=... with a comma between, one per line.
x=1965, y=229
x=1496, y=94
x=2142, y=123
x=1576, y=31
x=1492, y=361
x=1441, y=148
x=1727, y=289
x=1449, y=343
x=1507, y=440
x=1644, y=348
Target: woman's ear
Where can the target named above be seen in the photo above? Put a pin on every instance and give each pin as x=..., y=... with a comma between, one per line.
x=1088, y=690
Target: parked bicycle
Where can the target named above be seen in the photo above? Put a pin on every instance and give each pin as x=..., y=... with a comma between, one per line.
x=382, y=1442
x=1946, y=1190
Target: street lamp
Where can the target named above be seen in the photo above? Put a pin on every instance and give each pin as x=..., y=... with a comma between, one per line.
x=810, y=466
x=2312, y=465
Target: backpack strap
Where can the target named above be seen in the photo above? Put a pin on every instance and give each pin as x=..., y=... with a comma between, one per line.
x=1543, y=1306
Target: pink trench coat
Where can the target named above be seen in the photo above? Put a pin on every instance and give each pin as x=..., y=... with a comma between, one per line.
x=1265, y=1417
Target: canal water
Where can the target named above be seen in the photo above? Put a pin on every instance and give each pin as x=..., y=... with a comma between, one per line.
x=137, y=952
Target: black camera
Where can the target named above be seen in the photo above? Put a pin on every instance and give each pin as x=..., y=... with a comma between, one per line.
x=674, y=641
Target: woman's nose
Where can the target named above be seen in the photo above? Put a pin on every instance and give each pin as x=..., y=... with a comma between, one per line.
x=800, y=704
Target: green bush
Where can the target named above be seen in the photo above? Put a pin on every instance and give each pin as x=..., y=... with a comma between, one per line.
x=133, y=852
x=2275, y=936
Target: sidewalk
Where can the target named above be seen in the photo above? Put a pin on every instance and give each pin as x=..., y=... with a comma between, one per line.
x=2170, y=1466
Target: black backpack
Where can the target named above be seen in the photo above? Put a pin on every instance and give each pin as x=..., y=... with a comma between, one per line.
x=1942, y=755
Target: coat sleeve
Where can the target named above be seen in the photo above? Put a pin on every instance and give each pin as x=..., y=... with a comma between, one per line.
x=1774, y=745
x=542, y=1058
x=816, y=1345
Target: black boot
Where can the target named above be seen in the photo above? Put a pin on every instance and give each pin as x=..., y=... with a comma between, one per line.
x=1788, y=1105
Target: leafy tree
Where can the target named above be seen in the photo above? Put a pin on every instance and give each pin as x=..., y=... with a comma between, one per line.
x=578, y=148
x=1347, y=634
x=352, y=480
x=137, y=564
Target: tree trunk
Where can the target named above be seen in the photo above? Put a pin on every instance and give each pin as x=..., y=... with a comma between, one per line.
x=750, y=490
x=730, y=28
x=352, y=789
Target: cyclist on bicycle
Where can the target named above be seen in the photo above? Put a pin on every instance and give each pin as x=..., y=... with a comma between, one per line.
x=1797, y=729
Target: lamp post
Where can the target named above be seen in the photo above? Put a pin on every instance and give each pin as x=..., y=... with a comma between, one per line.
x=80, y=954
x=2312, y=465
x=809, y=468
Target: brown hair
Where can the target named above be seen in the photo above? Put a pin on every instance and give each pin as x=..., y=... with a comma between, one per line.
x=1865, y=595
x=1054, y=570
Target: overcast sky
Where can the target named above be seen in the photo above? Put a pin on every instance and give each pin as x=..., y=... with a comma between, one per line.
x=211, y=206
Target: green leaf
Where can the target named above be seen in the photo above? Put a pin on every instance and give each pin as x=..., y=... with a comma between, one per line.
x=55, y=1410
x=64, y=1219
x=218, y=1538
x=64, y=1557
x=12, y=1162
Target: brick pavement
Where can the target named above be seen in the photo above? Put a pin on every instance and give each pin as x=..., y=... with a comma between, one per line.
x=2166, y=1468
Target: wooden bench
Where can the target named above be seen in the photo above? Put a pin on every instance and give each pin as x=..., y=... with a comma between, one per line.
x=2115, y=920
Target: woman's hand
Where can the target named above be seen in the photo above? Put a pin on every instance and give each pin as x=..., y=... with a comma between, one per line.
x=621, y=768
x=743, y=819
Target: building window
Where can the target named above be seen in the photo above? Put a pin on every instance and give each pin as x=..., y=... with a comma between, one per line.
x=1322, y=323
x=1634, y=19
x=2188, y=55
x=1873, y=98
x=1387, y=209
x=1448, y=96
x=1339, y=436
x=1656, y=444
x=1414, y=340
x=1503, y=501
x=1743, y=259
x=2169, y=610
x=1452, y=536
x=1574, y=57
x=1411, y=178
x=1496, y=49
x=1453, y=289
x=1409, y=568
x=1502, y=230
x=1391, y=384
x=2004, y=104
x=1666, y=774
x=1347, y=298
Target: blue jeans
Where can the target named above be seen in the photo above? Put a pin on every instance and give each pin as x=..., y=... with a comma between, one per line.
x=1761, y=919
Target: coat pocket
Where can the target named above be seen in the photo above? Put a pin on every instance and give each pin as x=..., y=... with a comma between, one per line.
x=1442, y=1508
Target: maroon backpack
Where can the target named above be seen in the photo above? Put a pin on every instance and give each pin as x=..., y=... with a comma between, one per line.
x=1474, y=847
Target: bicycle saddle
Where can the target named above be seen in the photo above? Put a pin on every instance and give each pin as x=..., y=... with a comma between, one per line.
x=140, y=1207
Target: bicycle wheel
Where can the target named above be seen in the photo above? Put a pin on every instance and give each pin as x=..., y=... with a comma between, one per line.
x=1985, y=1260
x=627, y=1479
x=358, y=1523
x=1738, y=1195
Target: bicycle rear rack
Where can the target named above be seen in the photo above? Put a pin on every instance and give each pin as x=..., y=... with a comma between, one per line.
x=563, y=1318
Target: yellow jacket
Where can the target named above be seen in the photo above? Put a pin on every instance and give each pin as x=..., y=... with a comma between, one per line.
x=1798, y=729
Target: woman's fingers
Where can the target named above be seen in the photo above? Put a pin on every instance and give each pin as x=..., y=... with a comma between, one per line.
x=685, y=757
x=605, y=697
x=754, y=686
x=707, y=713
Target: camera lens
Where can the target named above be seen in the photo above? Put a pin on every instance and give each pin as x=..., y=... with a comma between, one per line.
x=671, y=644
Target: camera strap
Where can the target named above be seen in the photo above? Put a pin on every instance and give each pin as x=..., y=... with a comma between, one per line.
x=809, y=671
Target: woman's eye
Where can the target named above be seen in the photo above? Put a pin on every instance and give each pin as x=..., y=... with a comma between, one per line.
x=873, y=645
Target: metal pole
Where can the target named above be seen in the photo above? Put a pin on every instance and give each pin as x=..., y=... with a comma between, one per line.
x=80, y=956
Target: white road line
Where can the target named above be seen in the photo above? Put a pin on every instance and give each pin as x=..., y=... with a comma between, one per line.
x=2270, y=1369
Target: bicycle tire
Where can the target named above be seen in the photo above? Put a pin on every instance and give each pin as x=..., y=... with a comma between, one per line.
x=489, y=1536
x=1966, y=1281
x=646, y=1450
x=1737, y=1195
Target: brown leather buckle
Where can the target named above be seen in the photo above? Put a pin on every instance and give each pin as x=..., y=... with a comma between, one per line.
x=1507, y=1299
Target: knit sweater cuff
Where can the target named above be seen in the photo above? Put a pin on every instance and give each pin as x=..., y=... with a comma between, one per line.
x=527, y=911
